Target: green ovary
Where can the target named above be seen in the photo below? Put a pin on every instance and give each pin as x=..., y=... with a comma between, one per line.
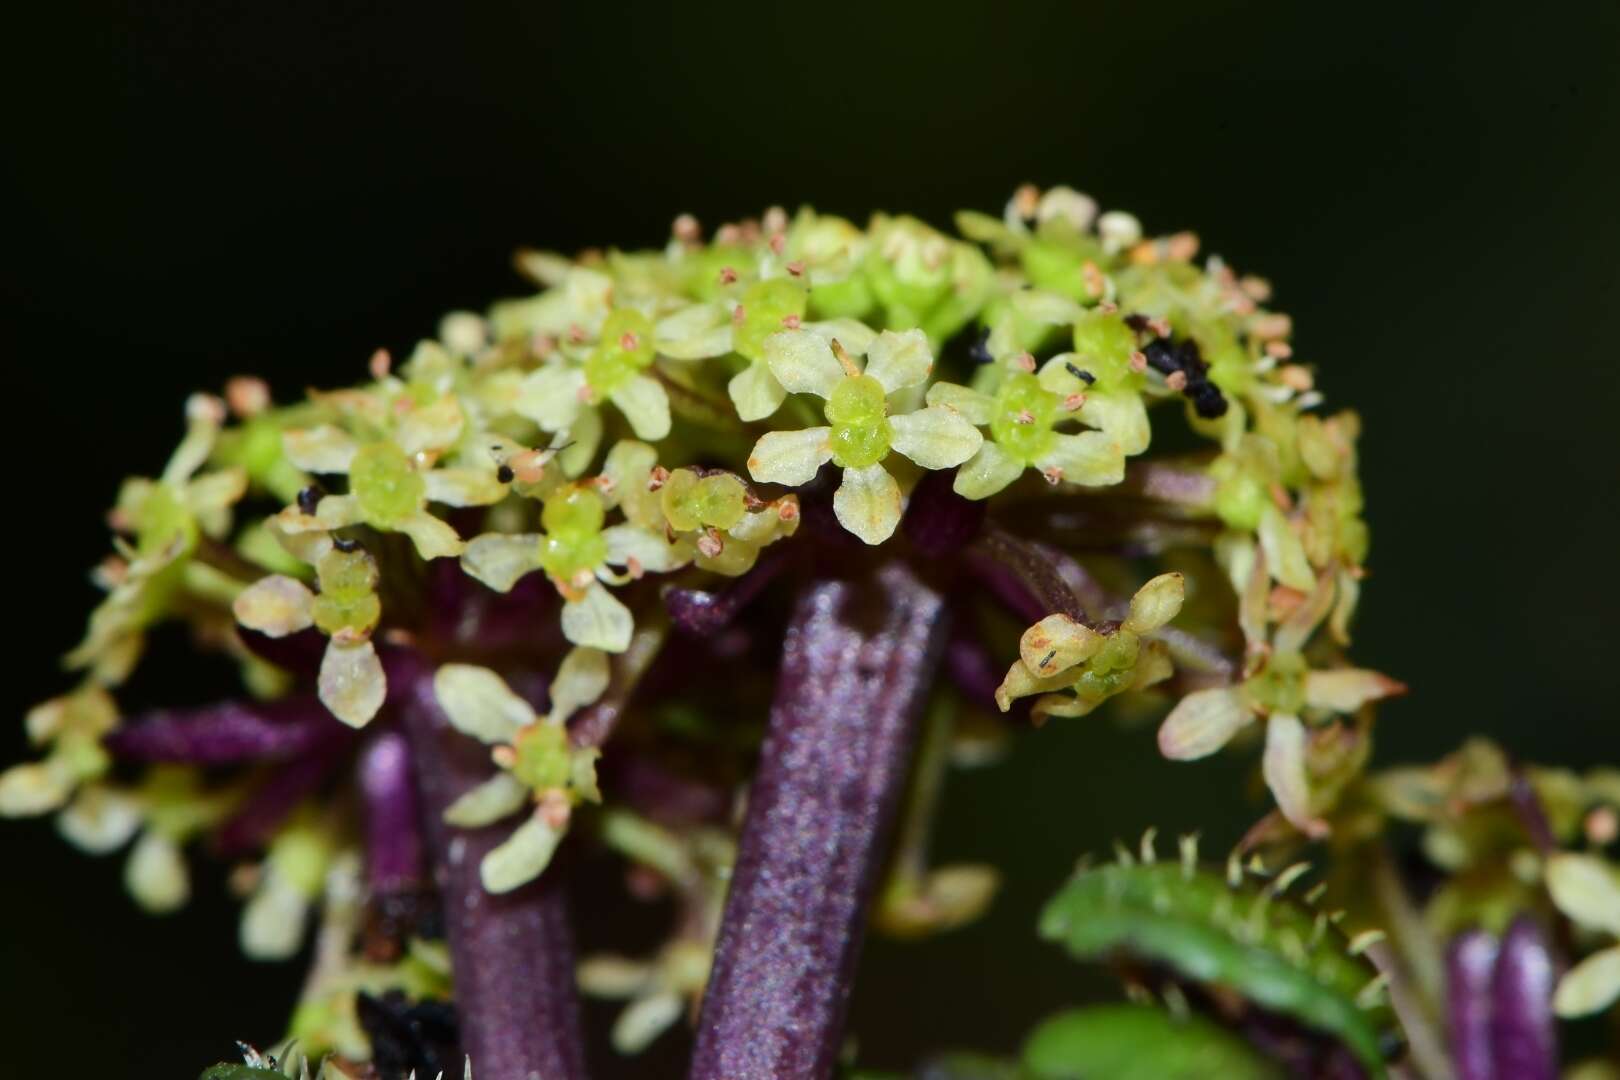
x=860, y=425
x=348, y=598
x=1025, y=412
x=387, y=489
x=624, y=349
x=1104, y=343
x=765, y=304
x=1280, y=688
x=572, y=519
x=542, y=756
x=690, y=502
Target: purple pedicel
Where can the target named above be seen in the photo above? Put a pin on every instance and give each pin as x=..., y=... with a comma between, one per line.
x=1022, y=577
x=392, y=818
x=298, y=653
x=256, y=820
x=228, y=732
x=972, y=670
x=938, y=521
x=1524, y=1039
x=512, y=955
x=1470, y=965
x=661, y=794
x=858, y=662
x=1531, y=814
x=700, y=612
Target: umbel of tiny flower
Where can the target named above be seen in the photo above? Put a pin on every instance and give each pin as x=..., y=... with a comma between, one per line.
x=537, y=763
x=860, y=431
x=1586, y=888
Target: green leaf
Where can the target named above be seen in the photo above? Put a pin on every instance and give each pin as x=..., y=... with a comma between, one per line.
x=1137, y=1042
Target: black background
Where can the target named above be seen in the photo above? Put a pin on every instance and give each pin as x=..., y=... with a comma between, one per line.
x=201, y=189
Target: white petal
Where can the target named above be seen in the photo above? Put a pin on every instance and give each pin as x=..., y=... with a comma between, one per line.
x=695, y=333
x=99, y=820
x=155, y=873
x=430, y=427
x=976, y=408
x=606, y=975
x=1283, y=765
x=1121, y=414
x=584, y=437
x=899, y=360
x=479, y=703
x=1587, y=889
x=598, y=620
x=1285, y=552
x=322, y=449
x=790, y=457
x=867, y=503
x=755, y=392
x=1156, y=603
x=520, y=858
x=215, y=491
x=498, y=797
x=550, y=396
x=1345, y=690
x=1202, y=723
x=644, y=1019
x=644, y=403
x=1057, y=643
x=855, y=336
x=275, y=606
x=582, y=677
x=499, y=559
x=351, y=683
x=1092, y=458
x=463, y=487
x=273, y=921
x=33, y=788
x=653, y=551
x=1590, y=986
x=802, y=362
x=627, y=466
x=433, y=537
x=986, y=472
x=935, y=437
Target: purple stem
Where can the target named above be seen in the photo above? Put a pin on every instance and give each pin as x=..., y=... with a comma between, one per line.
x=256, y=821
x=1470, y=964
x=858, y=662
x=1022, y=576
x=228, y=732
x=701, y=612
x=938, y=521
x=392, y=817
x=298, y=653
x=1531, y=814
x=512, y=955
x=972, y=670
x=1524, y=1038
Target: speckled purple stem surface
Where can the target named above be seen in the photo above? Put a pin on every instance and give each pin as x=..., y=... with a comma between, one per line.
x=512, y=955
x=858, y=662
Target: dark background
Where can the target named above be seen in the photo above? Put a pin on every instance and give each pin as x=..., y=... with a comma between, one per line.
x=201, y=189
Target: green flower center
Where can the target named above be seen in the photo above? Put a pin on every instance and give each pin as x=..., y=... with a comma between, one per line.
x=348, y=597
x=164, y=517
x=542, y=756
x=1025, y=413
x=387, y=489
x=1104, y=345
x=572, y=519
x=624, y=349
x=860, y=425
x=1280, y=686
x=691, y=502
x=765, y=304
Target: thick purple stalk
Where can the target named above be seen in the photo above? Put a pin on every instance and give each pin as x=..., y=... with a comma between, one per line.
x=255, y=822
x=938, y=521
x=858, y=662
x=704, y=612
x=512, y=955
x=1022, y=576
x=1470, y=965
x=229, y=732
x=393, y=818
x=1524, y=1037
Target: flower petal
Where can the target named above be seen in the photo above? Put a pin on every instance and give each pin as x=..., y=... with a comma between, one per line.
x=1285, y=552
x=1590, y=986
x=1057, y=643
x=274, y=920
x=755, y=392
x=500, y=796
x=899, y=360
x=275, y=606
x=99, y=820
x=644, y=1019
x=351, y=682
x=433, y=537
x=1202, y=723
x=582, y=677
x=598, y=620
x=1345, y=690
x=582, y=439
x=1587, y=889
x=1091, y=458
x=1121, y=414
x=790, y=457
x=479, y=703
x=976, y=408
x=33, y=788
x=986, y=472
x=652, y=550
x=1156, y=603
x=321, y=449
x=644, y=403
x=867, y=503
x=463, y=487
x=155, y=873
x=500, y=559
x=935, y=437
x=521, y=857
x=695, y=333
x=550, y=396
x=432, y=427
x=1283, y=765
x=802, y=362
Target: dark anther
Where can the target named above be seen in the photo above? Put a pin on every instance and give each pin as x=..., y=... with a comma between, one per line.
x=979, y=351
x=1168, y=357
x=309, y=498
x=1139, y=323
x=1080, y=373
x=405, y=1036
x=504, y=474
x=345, y=544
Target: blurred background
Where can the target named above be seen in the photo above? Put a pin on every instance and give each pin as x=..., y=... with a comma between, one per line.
x=202, y=189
